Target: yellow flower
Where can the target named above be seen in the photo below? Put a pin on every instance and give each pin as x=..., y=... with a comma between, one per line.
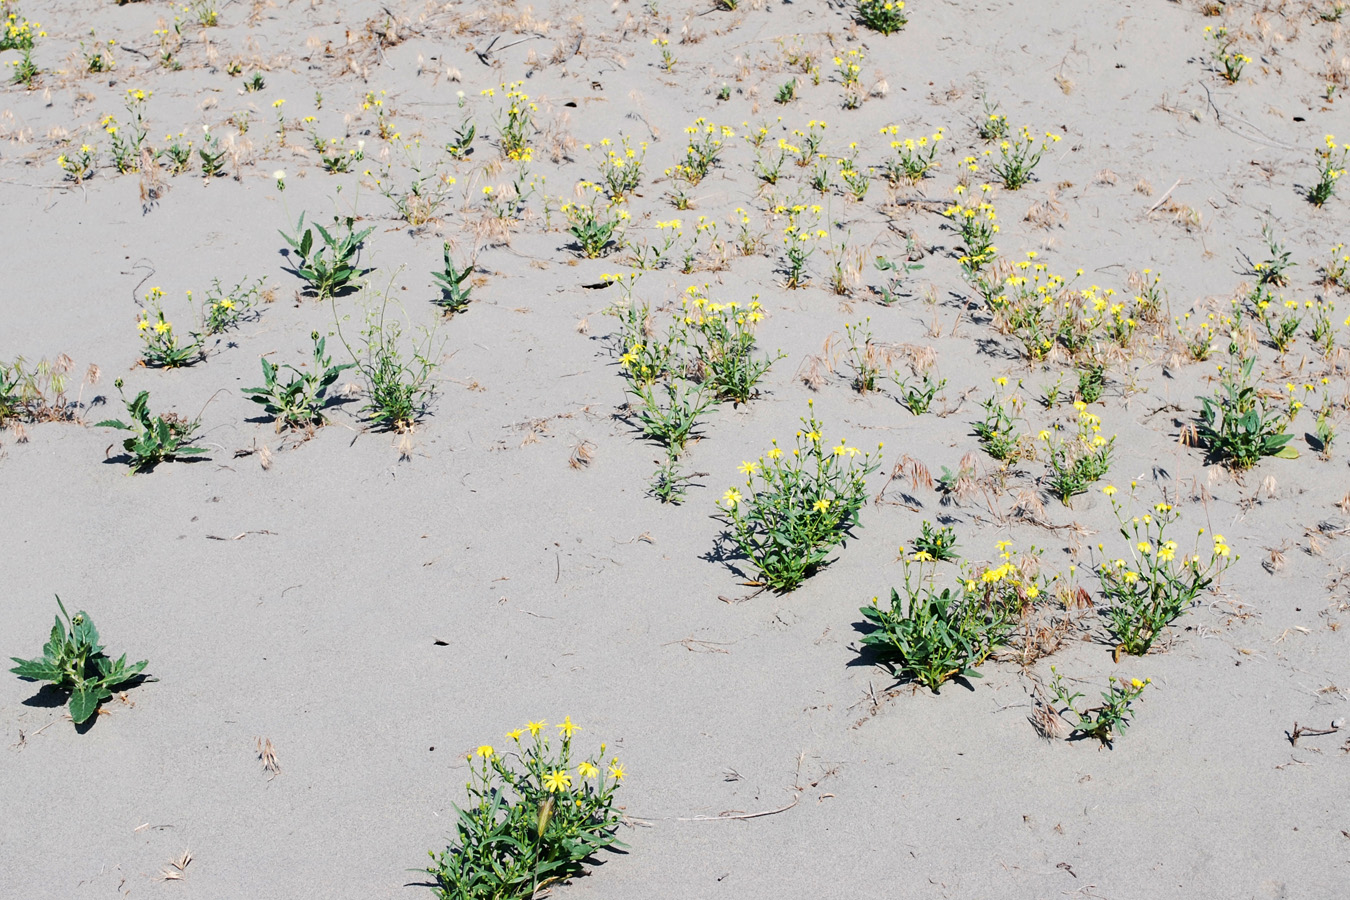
x=161, y=327
x=515, y=735
x=749, y=468
x=557, y=780
x=567, y=728
x=536, y=727
x=821, y=505
x=1143, y=547
x=1136, y=683
x=616, y=771
x=587, y=770
x=731, y=498
x=1109, y=490
x=774, y=453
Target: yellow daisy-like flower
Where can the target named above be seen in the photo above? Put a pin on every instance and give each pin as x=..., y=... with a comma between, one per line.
x=1109, y=490
x=749, y=468
x=557, y=780
x=821, y=505
x=536, y=727
x=567, y=728
x=515, y=735
x=616, y=771
x=587, y=770
x=731, y=498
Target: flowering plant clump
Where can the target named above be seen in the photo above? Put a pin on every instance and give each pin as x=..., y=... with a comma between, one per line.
x=978, y=223
x=885, y=16
x=532, y=817
x=621, y=170
x=1154, y=586
x=934, y=636
x=1078, y=461
x=1230, y=64
x=515, y=123
x=914, y=157
x=1331, y=164
x=1238, y=426
x=1020, y=156
x=799, y=239
x=1106, y=720
x=592, y=223
x=725, y=343
x=163, y=347
x=798, y=505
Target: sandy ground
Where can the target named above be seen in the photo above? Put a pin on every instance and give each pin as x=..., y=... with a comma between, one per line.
x=377, y=605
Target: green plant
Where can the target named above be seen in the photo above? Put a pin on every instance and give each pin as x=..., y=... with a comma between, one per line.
x=531, y=819
x=799, y=240
x=212, y=155
x=1019, y=157
x=918, y=397
x=1331, y=165
x=725, y=345
x=73, y=660
x=890, y=290
x=1280, y=323
x=1105, y=721
x=996, y=431
x=162, y=347
x=621, y=170
x=461, y=145
x=77, y=165
x=25, y=70
x=1153, y=587
x=798, y=506
x=592, y=224
x=453, y=282
x=128, y=141
x=977, y=221
x=1077, y=462
x=913, y=158
x=515, y=123
x=991, y=125
x=300, y=400
x=254, y=84
x=1091, y=381
x=397, y=388
x=1237, y=426
x=662, y=43
x=329, y=269
x=934, y=635
x=154, y=439
x=177, y=155
x=37, y=392
x=884, y=16
x=1271, y=271
x=864, y=357
x=939, y=543
x=787, y=92
x=670, y=421
x=224, y=309
x=1229, y=63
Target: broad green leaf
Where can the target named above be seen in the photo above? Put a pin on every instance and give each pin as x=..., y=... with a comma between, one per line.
x=83, y=702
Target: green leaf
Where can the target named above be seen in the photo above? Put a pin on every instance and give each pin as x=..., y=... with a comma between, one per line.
x=36, y=669
x=84, y=701
x=113, y=423
x=1288, y=453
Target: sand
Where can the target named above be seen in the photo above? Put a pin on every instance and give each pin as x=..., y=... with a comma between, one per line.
x=376, y=605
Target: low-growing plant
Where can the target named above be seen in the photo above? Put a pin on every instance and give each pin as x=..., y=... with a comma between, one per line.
x=898, y=272
x=798, y=506
x=594, y=222
x=1019, y=157
x=724, y=345
x=78, y=165
x=1237, y=426
x=787, y=91
x=154, y=438
x=397, y=381
x=914, y=157
x=1331, y=165
x=212, y=155
x=225, y=309
x=997, y=432
x=977, y=221
x=1228, y=62
x=1078, y=461
x=1271, y=270
x=621, y=168
x=917, y=396
x=161, y=345
x=299, y=400
x=883, y=16
x=461, y=145
x=938, y=542
x=73, y=661
x=1108, y=719
x=670, y=420
x=532, y=818
x=36, y=392
x=515, y=122
x=799, y=239
x=331, y=268
x=934, y=636
x=454, y=284
x=1151, y=588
